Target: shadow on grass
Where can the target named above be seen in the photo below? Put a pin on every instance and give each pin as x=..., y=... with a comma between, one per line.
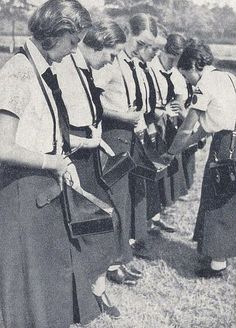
x=175, y=253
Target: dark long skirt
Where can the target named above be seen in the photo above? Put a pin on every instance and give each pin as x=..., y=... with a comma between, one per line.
x=138, y=192
x=101, y=249
x=188, y=159
x=119, y=138
x=42, y=278
x=215, y=229
x=171, y=188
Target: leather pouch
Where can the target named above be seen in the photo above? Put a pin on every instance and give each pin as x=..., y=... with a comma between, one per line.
x=223, y=177
x=115, y=168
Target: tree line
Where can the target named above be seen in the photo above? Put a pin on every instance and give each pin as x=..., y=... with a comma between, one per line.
x=216, y=24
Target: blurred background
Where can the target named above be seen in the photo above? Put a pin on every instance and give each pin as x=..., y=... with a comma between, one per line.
x=215, y=22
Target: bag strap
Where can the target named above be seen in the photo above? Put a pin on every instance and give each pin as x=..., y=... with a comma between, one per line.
x=233, y=139
x=25, y=51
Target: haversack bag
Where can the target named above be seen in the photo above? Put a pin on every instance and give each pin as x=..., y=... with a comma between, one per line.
x=223, y=172
x=223, y=176
x=148, y=165
x=113, y=168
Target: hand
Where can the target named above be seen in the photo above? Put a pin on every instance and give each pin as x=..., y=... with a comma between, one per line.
x=132, y=118
x=167, y=158
x=201, y=143
x=56, y=163
x=71, y=177
x=96, y=133
x=175, y=105
x=172, y=109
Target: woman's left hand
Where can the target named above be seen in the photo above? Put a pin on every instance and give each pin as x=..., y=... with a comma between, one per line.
x=96, y=133
x=167, y=158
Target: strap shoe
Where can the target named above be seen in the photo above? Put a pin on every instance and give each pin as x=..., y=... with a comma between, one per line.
x=133, y=272
x=209, y=273
x=161, y=225
x=121, y=277
x=106, y=307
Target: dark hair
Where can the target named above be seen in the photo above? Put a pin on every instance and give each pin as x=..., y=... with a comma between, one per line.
x=104, y=34
x=142, y=22
x=197, y=54
x=56, y=17
x=175, y=44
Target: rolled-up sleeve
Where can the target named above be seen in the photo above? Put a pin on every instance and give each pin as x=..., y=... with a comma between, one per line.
x=14, y=89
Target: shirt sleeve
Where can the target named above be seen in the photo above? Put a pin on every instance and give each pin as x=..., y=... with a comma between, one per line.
x=200, y=99
x=14, y=86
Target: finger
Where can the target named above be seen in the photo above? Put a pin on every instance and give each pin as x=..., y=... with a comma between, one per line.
x=175, y=107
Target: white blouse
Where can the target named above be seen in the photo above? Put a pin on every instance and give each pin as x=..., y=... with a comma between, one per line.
x=177, y=79
x=215, y=97
x=74, y=95
x=21, y=95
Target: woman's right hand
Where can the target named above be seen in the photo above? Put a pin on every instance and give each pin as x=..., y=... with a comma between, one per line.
x=56, y=163
x=172, y=109
x=132, y=118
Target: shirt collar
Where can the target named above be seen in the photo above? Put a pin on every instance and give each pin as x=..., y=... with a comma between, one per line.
x=156, y=62
x=40, y=62
x=79, y=59
x=123, y=56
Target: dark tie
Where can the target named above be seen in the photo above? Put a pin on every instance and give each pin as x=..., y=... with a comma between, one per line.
x=171, y=89
x=95, y=94
x=138, y=103
x=152, y=90
x=63, y=119
x=190, y=95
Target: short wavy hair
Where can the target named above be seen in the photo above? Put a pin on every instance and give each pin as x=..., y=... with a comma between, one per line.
x=56, y=17
x=196, y=54
x=142, y=22
x=175, y=44
x=104, y=34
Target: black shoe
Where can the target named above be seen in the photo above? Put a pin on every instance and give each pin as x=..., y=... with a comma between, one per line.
x=161, y=225
x=154, y=231
x=205, y=261
x=133, y=272
x=209, y=273
x=142, y=255
x=121, y=277
x=108, y=309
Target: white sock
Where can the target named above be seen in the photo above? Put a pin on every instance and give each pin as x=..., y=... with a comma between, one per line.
x=218, y=265
x=131, y=242
x=156, y=217
x=99, y=286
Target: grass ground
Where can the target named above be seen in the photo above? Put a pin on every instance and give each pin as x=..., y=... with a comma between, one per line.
x=169, y=295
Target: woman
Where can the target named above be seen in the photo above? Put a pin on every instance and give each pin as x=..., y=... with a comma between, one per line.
x=121, y=102
x=99, y=47
x=171, y=94
x=42, y=280
x=213, y=106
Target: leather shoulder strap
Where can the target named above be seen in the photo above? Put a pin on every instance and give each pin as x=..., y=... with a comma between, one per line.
x=25, y=51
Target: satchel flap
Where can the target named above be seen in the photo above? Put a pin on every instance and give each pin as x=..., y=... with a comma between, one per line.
x=48, y=195
x=114, y=162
